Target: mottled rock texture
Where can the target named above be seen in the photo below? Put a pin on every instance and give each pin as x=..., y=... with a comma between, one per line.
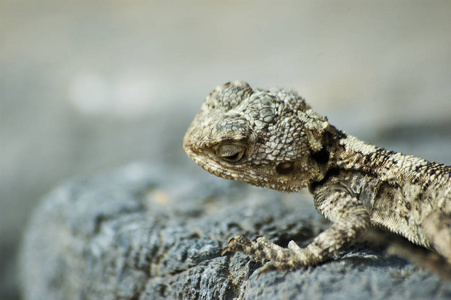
x=155, y=232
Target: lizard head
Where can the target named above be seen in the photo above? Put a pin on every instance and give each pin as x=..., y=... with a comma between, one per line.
x=262, y=137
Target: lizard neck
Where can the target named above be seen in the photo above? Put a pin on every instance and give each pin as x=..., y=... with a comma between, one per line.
x=356, y=155
x=359, y=156
x=346, y=152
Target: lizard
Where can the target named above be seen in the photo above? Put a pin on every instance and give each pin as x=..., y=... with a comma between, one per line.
x=274, y=139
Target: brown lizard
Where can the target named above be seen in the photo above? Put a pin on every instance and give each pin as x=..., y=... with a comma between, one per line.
x=272, y=138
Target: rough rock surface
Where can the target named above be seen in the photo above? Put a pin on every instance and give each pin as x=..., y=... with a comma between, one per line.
x=156, y=232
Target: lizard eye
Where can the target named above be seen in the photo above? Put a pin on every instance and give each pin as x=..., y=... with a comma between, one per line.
x=230, y=152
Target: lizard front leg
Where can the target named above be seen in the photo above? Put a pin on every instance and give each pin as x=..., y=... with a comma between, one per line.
x=336, y=203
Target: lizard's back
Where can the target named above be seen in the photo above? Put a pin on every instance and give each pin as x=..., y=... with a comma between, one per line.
x=402, y=193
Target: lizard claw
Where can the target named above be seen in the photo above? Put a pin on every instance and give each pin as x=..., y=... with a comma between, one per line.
x=224, y=251
x=229, y=247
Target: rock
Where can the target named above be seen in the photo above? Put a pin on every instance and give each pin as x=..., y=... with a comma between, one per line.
x=156, y=232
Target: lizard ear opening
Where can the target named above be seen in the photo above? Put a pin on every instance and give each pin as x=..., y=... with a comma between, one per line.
x=285, y=168
x=230, y=152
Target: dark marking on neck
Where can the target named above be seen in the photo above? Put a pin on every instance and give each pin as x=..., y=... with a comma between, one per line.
x=322, y=156
x=331, y=173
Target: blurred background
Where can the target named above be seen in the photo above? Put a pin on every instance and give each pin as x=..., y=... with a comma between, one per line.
x=89, y=86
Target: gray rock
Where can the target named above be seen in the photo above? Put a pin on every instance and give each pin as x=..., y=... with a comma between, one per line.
x=154, y=232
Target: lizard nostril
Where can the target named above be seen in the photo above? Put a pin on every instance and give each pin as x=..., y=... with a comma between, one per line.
x=285, y=168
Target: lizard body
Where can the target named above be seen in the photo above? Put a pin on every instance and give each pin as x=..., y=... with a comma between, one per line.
x=272, y=138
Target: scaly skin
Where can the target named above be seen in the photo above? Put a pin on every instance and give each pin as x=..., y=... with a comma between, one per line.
x=272, y=138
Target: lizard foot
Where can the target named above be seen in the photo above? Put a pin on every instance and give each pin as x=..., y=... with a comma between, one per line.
x=279, y=258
